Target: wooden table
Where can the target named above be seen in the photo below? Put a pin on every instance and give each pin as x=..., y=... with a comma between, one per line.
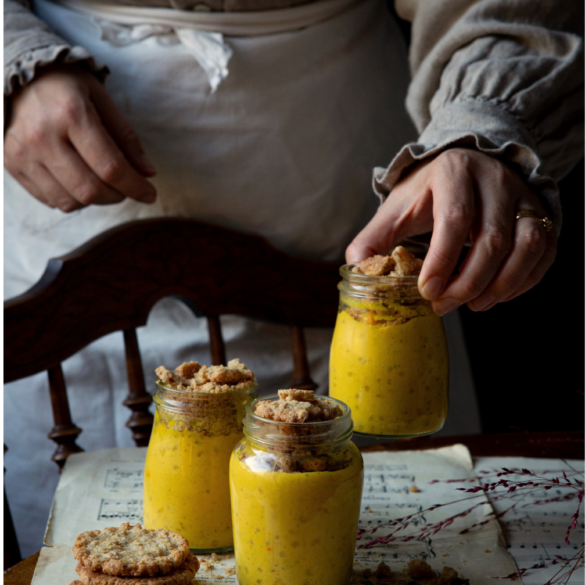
x=566, y=445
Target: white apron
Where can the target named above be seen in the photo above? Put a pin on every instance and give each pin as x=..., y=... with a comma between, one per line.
x=284, y=147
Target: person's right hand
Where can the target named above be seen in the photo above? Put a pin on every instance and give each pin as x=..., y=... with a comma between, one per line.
x=68, y=145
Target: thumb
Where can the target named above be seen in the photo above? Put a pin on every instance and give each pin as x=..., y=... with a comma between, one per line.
x=121, y=131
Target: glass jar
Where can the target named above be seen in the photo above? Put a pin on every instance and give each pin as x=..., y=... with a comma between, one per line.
x=296, y=491
x=186, y=475
x=389, y=359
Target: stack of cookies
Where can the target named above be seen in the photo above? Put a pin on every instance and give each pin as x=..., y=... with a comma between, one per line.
x=132, y=555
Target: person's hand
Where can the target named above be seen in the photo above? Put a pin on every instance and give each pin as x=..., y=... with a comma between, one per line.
x=463, y=195
x=68, y=145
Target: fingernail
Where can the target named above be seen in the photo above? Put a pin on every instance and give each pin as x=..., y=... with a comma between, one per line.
x=445, y=306
x=482, y=305
x=146, y=165
x=432, y=288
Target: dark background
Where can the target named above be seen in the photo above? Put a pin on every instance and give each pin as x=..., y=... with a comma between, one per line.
x=527, y=354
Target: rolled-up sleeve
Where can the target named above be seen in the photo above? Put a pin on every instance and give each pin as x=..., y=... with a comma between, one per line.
x=502, y=76
x=29, y=44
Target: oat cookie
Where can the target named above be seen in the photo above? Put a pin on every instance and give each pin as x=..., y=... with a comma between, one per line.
x=131, y=551
x=180, y=576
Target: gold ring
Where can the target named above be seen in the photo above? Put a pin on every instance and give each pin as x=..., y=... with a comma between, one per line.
x=545, y=222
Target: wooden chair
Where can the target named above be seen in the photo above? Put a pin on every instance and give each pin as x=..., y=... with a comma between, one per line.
x=112, y=282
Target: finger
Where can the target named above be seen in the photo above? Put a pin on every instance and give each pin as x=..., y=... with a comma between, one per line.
x=101, y=154
x=30, y=186
x=528, y=248
x=406, y=212
x=541, y=268
x=453, y=211
x=78, y=180
x=52, y=191
x=492, y=236
x=122, y=133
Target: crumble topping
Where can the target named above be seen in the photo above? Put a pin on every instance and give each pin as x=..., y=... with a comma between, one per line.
x=387, y=303
x=399, y=263
x=300, y=447
x=210, y=397
x=194, y=377
x=298, y=406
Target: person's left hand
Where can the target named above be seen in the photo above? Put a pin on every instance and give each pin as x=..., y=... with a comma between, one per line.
x=464, y=195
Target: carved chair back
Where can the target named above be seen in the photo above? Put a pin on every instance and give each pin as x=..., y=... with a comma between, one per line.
x=112, y=282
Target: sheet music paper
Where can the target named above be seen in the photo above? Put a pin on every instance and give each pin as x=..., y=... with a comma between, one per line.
x=534, y=532
x=104, y=488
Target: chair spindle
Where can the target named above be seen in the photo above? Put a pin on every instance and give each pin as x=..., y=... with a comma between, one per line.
x=11, y=548
x=216, y=344
x=301, y=375
x=138, y=399
x=65, y=432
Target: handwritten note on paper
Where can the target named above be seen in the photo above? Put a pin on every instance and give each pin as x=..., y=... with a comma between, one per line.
x=103, y=488
x=535, y=531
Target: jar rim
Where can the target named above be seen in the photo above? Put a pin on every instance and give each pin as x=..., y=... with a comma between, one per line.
x=176, y=398
x=162, y=386
x=346, y=272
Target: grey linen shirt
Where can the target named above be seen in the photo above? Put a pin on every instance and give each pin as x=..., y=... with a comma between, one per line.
x=502, y=76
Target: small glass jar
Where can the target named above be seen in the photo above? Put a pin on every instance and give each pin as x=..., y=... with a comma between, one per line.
x=186, y=475
x=296, y=491
x=389, y=358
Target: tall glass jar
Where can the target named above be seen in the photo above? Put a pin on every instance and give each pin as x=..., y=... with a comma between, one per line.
x=296, y=491
x=389, y=359
x=186, y=475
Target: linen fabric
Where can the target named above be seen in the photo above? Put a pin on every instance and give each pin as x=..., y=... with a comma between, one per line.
x=502, y=76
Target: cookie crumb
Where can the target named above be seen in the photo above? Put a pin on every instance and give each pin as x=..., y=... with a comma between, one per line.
x=399, y=263
x=419, y=569
x=188, y=369
x=407, y=264
x=376, y=265
x=447, y=576
x=383, y=570
x=230, y=572
x=413, y=489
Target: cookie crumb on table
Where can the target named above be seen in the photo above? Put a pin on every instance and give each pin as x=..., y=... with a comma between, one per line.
x=419, y=569
x=447, y=576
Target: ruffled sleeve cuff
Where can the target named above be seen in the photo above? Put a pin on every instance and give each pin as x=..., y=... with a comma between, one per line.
x=486, y=126
x=22, y=68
